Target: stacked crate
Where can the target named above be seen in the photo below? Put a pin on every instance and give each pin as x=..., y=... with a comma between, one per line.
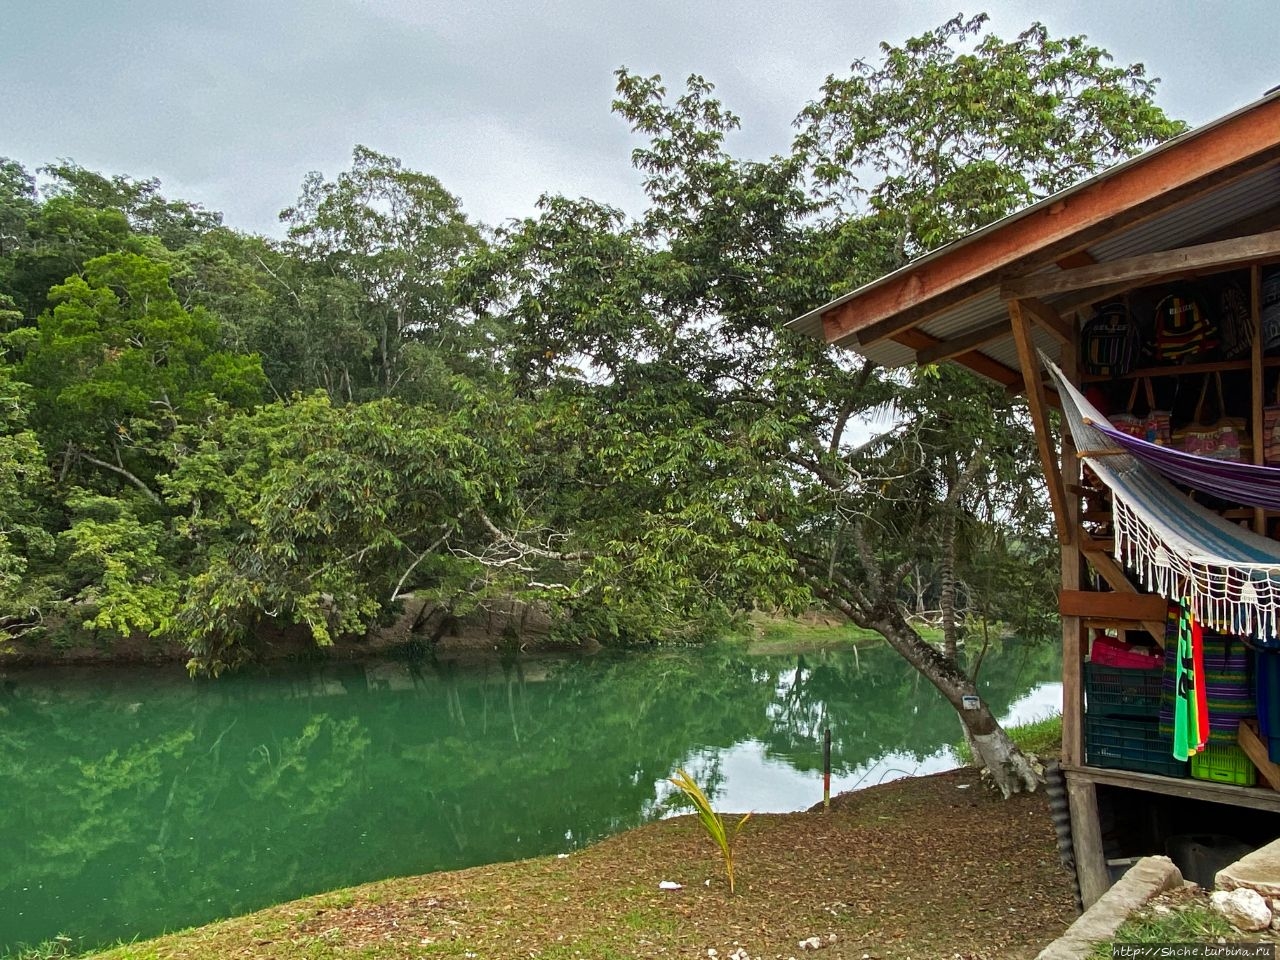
x=1228, y=683
x=1122, y=721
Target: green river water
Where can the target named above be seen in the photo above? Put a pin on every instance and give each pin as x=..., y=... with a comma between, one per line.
x=137, y=801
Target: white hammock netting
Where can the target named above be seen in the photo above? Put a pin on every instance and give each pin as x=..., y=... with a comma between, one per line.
x=1175, y=546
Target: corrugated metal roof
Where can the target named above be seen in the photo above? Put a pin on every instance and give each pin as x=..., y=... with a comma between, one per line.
x=811, y=323
x=1179, y=226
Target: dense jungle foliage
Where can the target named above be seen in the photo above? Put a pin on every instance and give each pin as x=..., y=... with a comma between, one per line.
x=205, y=431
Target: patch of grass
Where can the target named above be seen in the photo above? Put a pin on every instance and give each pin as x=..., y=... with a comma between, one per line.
x=58, y=948
x=801, y=875
x=1193, y=923
x=649, y=921
x=1042, y=737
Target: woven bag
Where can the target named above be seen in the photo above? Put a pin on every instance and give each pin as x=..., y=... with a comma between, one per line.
x=1271, y=431
x=1184, y=329
x=1222, y=439
x=1153, y=426
x=1235, y=323
x=1270, y=308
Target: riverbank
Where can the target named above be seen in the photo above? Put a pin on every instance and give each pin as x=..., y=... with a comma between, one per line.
x=475, y=638
x=933, y=866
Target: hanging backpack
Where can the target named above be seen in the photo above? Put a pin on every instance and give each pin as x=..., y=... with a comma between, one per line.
x=1184, y=331
x=1270, y=308
x=1235, y=324
x=1109, y=342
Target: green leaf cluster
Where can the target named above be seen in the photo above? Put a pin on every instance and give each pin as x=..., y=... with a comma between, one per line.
x=207, y=436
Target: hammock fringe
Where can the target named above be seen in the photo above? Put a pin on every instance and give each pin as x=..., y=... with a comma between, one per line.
x=1176, y=547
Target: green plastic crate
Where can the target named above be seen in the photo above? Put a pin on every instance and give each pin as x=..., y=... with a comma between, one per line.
x=1224, y=763
x=1130, y=743
x=1117, y=691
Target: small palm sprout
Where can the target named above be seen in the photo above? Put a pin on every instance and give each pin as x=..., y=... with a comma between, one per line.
x=712, y=821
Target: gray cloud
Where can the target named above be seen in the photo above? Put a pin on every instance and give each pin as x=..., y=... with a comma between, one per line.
x=230, y=103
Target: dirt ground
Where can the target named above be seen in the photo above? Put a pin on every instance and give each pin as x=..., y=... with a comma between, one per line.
x=931, y=867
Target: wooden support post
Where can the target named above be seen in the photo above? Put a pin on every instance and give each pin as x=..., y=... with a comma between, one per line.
x=1086, y=839
x=1256, y=383
x=1072, y=626
x=1030, y=364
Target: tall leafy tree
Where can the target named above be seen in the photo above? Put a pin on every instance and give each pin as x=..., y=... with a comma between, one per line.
x=958, y=127
x=24, y=538
x=729, y=454
x=117, y=364
x=391, y=234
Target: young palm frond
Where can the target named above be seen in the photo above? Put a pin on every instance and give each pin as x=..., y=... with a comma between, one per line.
x=711, y=821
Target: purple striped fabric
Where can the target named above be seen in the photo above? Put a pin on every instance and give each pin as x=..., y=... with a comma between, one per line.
x=1244, y=483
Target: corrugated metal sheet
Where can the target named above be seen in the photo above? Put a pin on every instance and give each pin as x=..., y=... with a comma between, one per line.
x=811, y=322
x=1180, y=226
x=1187, y=223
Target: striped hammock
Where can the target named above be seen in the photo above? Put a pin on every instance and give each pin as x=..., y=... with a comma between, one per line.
x=1177, y=547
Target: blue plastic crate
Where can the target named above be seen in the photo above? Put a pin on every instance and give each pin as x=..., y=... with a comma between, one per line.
x=1130, y=743
x=1117, y=691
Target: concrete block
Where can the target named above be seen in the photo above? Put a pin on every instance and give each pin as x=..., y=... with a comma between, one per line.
x=1258, y=871
x=1146, y=879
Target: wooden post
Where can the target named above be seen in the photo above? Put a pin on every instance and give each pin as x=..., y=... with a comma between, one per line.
x=1030, y=364
x=1086, y=839
x=1072, y=627
x=826, y=769
x=1256, y=382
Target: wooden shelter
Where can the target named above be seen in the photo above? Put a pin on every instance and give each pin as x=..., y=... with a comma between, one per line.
x=1203, y=206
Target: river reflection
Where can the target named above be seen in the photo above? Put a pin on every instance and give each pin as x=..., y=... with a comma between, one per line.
x=138, y=801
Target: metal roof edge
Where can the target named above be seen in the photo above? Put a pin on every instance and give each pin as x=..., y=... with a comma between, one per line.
x=810, y=322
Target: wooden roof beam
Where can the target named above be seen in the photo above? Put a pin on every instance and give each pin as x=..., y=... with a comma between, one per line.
x=1148, y=267
x=947, y=349
x=1259, y=222
x=1131, y=194
x=1048, y=318
x=979, y=363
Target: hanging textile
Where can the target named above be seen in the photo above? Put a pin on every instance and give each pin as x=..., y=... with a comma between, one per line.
x=1248, y=484
x=1190, y=710
x=1177, y=547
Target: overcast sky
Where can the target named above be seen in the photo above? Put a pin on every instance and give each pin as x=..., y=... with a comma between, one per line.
x=231, y=102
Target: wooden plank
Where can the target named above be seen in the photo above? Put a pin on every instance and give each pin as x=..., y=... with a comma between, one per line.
x=1182, y=369
x=1100, y=558
x=1086, y=839
x=1148, y=267
x=1072, y=627
x=1255, y=382
x=979, y=363
x=1255, y=749
x=1225, y=793
x=1039, y=418
x=1049, y=318
x=1263, y=220
x=1109, y=203
x=1112, y=606
x=947, y=349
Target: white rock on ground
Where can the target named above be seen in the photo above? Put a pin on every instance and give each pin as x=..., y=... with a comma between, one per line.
x=1244, y=909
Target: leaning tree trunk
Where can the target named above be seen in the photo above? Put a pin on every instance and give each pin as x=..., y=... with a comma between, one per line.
x=993, y=750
